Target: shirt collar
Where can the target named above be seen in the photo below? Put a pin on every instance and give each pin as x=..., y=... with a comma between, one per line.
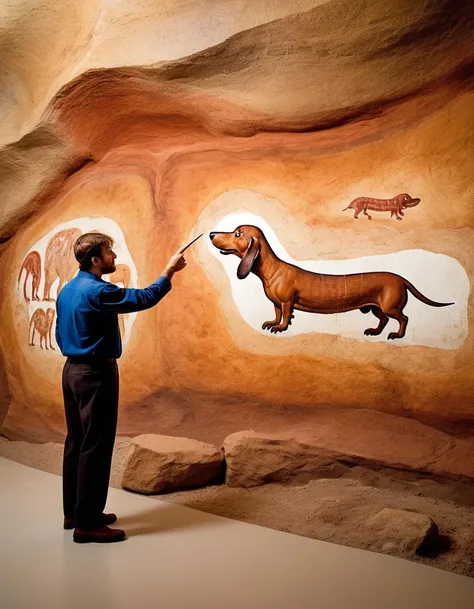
x=89, y=275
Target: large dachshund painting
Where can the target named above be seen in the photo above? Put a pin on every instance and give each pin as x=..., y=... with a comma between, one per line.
x=291, y=288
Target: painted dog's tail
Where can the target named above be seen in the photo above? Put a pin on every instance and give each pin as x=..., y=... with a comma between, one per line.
x=422, y=298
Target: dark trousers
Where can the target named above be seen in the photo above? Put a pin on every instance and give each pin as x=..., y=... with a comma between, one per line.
x=91, y=392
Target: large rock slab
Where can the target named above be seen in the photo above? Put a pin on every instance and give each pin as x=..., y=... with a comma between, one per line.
x=255, y=458
x=402, y=532
x=158, y=464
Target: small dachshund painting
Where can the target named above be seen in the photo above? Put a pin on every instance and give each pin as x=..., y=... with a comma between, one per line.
x=395, y=206
x=291, y=288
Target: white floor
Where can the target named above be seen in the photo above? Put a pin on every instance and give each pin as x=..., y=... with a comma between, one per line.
x=177, y=558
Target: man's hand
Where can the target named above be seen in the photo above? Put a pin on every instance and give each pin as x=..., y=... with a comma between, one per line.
x=176, y=263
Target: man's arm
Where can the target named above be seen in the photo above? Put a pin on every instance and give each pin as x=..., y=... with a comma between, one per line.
x=130, y=300
x=121, y=300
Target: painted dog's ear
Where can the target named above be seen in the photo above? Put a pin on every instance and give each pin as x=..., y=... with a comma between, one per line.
x=249, y=258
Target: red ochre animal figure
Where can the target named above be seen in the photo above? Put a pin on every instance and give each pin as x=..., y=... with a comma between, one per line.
x=395, y=206
x=32, y=266
x=59, y=260
x=42, y=322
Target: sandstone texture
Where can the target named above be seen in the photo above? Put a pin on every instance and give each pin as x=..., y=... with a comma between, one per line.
x=163, y=123
x=402, y=531
x=157, y=464
x=359, y=438
x=254, y=459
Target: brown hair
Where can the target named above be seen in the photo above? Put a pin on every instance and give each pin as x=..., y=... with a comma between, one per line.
x=89, y=245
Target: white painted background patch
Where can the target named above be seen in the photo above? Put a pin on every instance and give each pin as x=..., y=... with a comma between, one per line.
x=437, y=276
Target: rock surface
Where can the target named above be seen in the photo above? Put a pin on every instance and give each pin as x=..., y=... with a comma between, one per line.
x=338, y=439
x=402, y=531
x=286, y=111
x=253, y=459
x=161, y=464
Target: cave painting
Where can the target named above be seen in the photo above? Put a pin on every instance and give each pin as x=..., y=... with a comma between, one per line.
x=290, y=287
x=55, y=251
x=32, y=266
x=395, y=206
x=59, y=260
x=440, y=278
x=42, y=322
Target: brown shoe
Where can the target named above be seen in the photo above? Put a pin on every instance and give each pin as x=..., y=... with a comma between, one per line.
x=102, y=535
x=105, y=521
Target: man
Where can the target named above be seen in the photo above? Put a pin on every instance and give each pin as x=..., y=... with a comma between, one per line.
x=87, y=332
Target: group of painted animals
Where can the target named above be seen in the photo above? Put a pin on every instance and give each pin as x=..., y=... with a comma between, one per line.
x=59, y=262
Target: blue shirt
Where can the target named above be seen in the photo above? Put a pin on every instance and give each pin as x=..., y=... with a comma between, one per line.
x=87, y=313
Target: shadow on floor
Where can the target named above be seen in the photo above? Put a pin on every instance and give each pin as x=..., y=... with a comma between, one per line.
x=164, y=519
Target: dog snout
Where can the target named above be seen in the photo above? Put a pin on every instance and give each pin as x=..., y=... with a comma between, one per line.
x=211, y=236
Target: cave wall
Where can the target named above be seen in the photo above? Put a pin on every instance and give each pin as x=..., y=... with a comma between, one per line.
x=278, y=120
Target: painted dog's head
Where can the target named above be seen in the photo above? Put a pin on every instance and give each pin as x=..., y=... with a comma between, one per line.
x=245, y=242
x=406, y=200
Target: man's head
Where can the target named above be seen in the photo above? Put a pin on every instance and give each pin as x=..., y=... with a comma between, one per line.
x=94, y=253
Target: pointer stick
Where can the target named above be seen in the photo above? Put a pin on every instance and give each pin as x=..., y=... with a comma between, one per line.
x=183, y=249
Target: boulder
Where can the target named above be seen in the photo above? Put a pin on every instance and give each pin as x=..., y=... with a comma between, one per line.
x=254, y=458
x=158, y=464
x=402, y=532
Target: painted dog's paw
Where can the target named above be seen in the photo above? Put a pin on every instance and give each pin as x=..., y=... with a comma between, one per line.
x=267, y=325
x=278, y=328
x=371, y=332
x=393, y=336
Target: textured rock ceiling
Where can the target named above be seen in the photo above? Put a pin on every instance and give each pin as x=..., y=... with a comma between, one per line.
x=81, y=79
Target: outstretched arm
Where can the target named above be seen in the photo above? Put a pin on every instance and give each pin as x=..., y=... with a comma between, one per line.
x=120, y=300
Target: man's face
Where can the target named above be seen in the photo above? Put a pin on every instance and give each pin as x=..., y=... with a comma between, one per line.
x=107, y=260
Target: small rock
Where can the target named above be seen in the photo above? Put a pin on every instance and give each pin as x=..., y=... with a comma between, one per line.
x=402, y=532
x=158, y=463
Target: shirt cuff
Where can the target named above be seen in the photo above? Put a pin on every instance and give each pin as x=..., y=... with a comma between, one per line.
x=164, y=282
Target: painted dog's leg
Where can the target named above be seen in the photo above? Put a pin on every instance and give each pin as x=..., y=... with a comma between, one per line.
x=366, y=214
x=269, y=324
x=287, y=311
x=402, y=320
x=383, y=322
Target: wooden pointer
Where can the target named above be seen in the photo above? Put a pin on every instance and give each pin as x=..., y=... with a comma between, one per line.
x=183, y=249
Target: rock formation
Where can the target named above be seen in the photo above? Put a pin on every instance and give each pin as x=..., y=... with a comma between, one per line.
x=164, y=125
